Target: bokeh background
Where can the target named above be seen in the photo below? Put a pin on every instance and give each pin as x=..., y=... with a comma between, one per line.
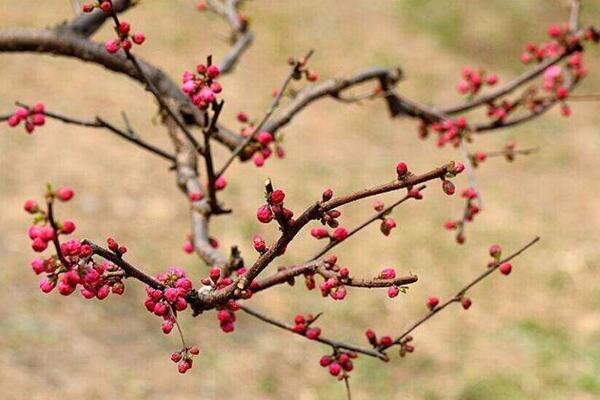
x=532, y=335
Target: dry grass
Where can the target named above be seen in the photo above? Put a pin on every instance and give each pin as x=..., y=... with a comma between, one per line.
x=533, y=335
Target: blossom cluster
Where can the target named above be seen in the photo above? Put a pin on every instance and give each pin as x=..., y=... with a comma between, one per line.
x=339, y=363
x=166, y=302
x=202, y=87
x=265, y=143
x=32, y=117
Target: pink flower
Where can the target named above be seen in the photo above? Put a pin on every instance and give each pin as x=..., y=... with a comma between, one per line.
x=264, y=214
x=112, y=46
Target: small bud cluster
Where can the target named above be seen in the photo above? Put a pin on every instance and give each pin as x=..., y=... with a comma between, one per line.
x=403, y=173
x=302, y=70
x=387, y=223
x=265, y=143
x=115, y=247
x=471, y=209
x=389, y=274
x=226, y=316
x=473, y=80
x=302, y=325
x=274, y=209
x=168, y=301
x=184, y=358
x=124, y=38
x=32, y=117
x=340, y=233
x=104, y=5
x=339, y=363
x=387, y=341
x=202, y=87
x=334, y=286
x=448, y=131
x=496, y=252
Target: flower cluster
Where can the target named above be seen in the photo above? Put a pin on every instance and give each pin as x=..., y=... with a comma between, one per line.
x=340, y=362
x=166, y=302
x=202, y=87
x=226, y=316
x=104, y=5
x=265, y=143
x=274, y=209
x=447, y=131
x=73, y=265
x=383, y=341
x=32, y=117
x=472, y=80
x=184, y=358
x=124, y=38
x=333, y=285
x=302, y=325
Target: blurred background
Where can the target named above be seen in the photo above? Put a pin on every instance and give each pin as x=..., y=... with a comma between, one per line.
x=532, y=335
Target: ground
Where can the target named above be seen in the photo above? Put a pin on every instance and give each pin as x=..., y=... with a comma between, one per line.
x=532, y=335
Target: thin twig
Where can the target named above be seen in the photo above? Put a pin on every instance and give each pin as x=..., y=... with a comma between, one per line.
x=274, y=104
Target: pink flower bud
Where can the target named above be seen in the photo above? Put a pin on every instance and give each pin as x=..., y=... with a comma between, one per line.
x=495, y=250
x=264, y=138
x=387, y=273
x=213, y=71
x=340, y=234
x=259, y=244
x=220, y=183
x=138, y=38
x=335, y=369
x=325, y=361
x=264, y=214
x=491, y=79
x=39, y=245
x=38, y=266
x=65, y=193
x=188, y=247
x=31, y=206
x=68, y=227
x=448, y=187
x=432, y=302
x=466, y=303
x=505, y=268
x=46, y=286
x=277, y=196
x=401, y=169
x=112, y=46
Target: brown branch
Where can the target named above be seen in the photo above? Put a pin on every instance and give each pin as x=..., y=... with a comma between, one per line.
x=130, y=270
x=212, y=299
x=98, y=122
x=458, y=296
x=333, y=88
x=376, y=217
x=333, y=343
x=241, y=36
